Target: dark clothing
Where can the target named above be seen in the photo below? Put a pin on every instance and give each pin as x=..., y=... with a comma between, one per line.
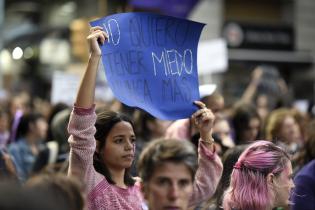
x=304, y=192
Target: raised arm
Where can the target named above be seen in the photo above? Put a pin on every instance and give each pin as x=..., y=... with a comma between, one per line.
x=251, y=89
x=86, y=92
x=210, y=166
x=81, y=124
x=204, y=119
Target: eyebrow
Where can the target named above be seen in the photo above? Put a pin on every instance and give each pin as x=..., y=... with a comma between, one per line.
x=123, y=136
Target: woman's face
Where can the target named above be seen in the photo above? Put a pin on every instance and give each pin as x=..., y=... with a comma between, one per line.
x=39, y=129
x=251, y=133
x=290, y=131
x=283, y=185
x=223, y=130
x=119, y=148
x=170, y=187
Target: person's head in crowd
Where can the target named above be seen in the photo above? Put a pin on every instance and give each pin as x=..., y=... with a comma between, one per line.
x=308, y=152
x=167, y=168
x=21, y=102
x=211, y=97
x=261, y=179
x=49, y=192
x=115, y=145
x=59, y=130
x=33, y=127
x=65, y=190
x=14, y=197
x=281, y=126
x=272, y=86
x=149, y=127
x=246, y=123
x=222, y=134
x=55, y=109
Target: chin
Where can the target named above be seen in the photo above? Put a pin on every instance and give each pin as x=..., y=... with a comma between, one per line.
x=284, y=204
x=127, y=165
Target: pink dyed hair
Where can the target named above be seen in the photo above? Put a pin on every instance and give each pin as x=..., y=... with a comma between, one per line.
x=248, y=185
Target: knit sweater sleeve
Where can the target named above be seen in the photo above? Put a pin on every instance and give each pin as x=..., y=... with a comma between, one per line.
x=207, y=176
x=82, y=146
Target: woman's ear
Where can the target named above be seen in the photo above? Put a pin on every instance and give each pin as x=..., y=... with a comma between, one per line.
x=270, y=178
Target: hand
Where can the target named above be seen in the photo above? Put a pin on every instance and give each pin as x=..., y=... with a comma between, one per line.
x=257, y=75
x=9, y=165
x=283, y=86
x=97, y=36
x=203, y=119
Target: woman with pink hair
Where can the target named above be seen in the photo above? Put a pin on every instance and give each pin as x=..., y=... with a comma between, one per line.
x=261, y=179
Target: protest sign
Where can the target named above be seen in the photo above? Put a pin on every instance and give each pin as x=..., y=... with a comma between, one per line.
x=150, y=62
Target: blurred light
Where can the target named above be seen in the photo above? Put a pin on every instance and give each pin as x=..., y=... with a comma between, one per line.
x=17, y=53
x=69, y=7
x=28, y=53
x=5, y=60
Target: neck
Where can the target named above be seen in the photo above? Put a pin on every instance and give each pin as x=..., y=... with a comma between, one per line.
x=118, y=177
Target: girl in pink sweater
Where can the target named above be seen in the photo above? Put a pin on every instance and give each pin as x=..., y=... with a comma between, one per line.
x=102, y=147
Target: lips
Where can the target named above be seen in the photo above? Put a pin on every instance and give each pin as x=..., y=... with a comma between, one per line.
x=129, y=156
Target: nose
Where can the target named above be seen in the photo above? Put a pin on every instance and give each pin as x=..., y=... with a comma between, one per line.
x=173, y=192
x=129, y=145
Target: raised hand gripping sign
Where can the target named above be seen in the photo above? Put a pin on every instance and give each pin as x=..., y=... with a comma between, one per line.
x=150, y=62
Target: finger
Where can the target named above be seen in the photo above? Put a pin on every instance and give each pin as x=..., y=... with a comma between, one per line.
x=105, y=35
x=201, y=116
x=98, y=36
x=200, y=104
x=200, y=113
x=101, y=36
x=95, y=28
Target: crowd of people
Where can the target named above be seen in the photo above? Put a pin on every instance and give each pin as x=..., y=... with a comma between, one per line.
x=255, y=155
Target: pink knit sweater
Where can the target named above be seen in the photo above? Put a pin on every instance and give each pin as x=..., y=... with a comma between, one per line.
x=104, y=196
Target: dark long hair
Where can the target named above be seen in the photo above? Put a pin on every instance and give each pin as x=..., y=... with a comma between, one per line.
x=243, y=113
x=105, y=122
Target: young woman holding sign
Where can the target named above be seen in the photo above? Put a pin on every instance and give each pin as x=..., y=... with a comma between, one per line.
x=102, y=147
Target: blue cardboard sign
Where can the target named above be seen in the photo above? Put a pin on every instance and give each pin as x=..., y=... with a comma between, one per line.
x=150, y=62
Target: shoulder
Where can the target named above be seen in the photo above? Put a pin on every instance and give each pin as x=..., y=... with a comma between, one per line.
x=178, y=129
x=16, y=146
x=308, y=169
x=306, y=176
x=180, y=123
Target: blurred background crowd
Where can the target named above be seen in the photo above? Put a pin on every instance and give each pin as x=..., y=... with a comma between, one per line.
x=264, y=89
